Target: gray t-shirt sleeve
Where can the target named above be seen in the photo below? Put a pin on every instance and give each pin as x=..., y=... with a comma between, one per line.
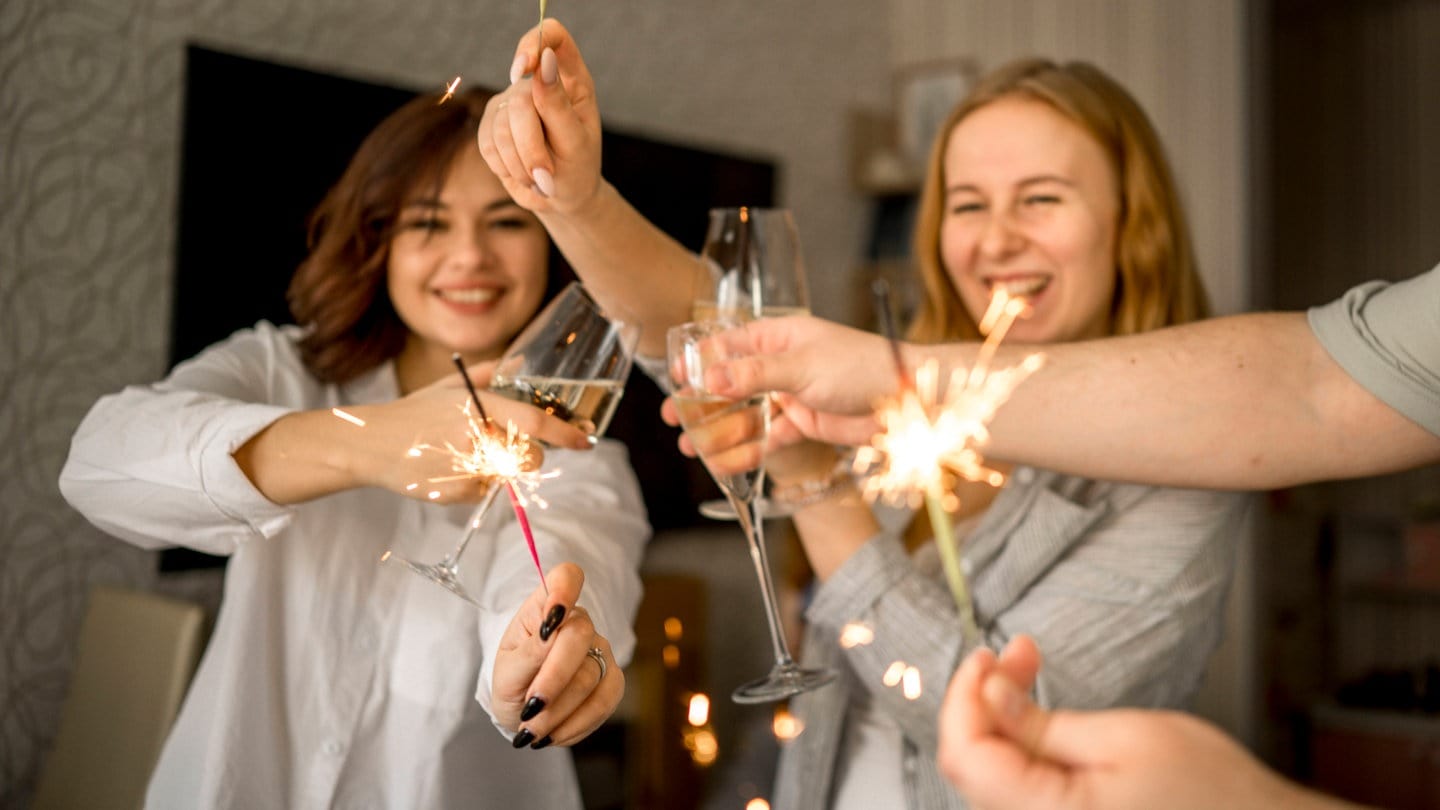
x=1387, y=337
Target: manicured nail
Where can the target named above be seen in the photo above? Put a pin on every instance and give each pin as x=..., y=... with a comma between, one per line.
x=549, y=67
x=552, y=621
x=533, y=706
x=517, y=68
x=544, y=741
x=544, y=181
x=523, y=739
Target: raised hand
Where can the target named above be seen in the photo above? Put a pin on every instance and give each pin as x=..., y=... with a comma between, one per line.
x=550, y=686
x=541, y=136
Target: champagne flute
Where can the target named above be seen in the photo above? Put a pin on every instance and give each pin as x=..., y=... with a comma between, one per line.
x=570, y=361
x=729, y=436
x=756, y=271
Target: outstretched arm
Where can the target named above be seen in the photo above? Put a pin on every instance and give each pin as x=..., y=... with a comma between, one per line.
x=1244, y=402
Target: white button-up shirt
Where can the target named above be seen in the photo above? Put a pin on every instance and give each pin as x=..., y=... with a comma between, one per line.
x=332, y=680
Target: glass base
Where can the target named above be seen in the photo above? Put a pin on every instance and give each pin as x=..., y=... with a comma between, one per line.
x=440, y=574
x=720, y=509
x=782, y=682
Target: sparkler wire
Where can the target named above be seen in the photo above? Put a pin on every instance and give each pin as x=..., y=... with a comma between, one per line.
x=520, y=516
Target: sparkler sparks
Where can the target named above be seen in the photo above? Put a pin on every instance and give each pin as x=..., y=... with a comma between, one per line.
x=932, y=433
x=348, y=417
x=449, y=91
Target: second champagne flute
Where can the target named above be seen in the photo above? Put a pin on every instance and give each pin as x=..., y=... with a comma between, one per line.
x=757, y=270
x=729, y=436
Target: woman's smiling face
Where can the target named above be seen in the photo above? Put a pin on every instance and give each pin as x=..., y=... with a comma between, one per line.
x=467, y=268
x=1031, y=206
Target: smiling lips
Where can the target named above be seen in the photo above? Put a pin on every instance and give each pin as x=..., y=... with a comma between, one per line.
x=469, y=296
x=1027, y=285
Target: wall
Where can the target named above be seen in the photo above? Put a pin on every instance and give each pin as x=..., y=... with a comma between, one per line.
x=89, y=117
x=1186, y=64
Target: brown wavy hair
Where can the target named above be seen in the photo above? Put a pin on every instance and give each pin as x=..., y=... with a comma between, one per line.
x=1157, y=283
x=339, y=291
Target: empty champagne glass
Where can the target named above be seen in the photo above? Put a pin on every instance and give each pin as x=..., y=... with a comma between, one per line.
x=571, y=361
x=729, y=436
x=757, y=271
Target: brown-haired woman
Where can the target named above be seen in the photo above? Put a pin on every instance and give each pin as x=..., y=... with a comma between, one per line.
x=329, y=678
x=1048, y=181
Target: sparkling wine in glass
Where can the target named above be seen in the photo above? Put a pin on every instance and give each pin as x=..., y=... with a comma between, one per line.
x=756, y=271
x=571, y=361
x=729, y=436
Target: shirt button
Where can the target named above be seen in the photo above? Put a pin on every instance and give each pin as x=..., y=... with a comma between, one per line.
x=332, y=747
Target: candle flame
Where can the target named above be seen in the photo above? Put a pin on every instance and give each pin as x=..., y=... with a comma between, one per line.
x=699, y=713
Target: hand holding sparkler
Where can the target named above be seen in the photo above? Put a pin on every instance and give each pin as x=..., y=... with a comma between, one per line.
x=555, y=678
x=541, y=135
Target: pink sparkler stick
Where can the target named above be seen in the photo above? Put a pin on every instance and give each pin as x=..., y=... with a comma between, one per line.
x=520, y=515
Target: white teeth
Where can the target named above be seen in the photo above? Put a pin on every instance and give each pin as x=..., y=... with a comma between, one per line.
x=471, y=296
x=1022, y=286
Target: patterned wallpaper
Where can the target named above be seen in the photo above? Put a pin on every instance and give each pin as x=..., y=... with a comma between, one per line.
x=89, y=110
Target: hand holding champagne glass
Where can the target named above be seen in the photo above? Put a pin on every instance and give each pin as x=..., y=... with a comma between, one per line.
x=757, y=271
x=730, y=436
x=570, y=361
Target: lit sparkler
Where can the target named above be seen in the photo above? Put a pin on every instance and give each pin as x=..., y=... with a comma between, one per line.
x=449, y=91
x=933, y=431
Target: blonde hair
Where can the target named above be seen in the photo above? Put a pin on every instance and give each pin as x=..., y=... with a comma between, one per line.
x=1157, y=283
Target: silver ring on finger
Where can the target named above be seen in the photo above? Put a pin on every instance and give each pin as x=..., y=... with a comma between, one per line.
x=599, y=656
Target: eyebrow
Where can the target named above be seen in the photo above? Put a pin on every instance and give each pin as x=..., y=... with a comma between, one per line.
x=434, y=203
x=1029, y=181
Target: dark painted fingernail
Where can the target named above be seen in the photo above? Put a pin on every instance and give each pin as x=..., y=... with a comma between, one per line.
x=533, y=706
x=523, y=739
x=544, y=741
x=547, y=627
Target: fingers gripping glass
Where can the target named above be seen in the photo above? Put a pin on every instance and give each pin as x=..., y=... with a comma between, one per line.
x=571, y=361
x=756, y=271
x=729, y=436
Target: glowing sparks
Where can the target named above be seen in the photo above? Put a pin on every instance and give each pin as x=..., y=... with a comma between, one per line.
x=494, y=457
x=856, y=634
x=904, y=676
x=910, y=683
x=786, y=725
x=757, y=803
x=348, y=417
x=449, y=90
x=932, y=434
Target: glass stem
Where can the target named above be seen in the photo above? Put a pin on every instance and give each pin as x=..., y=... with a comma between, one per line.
x=453, y=558
x=753, y=524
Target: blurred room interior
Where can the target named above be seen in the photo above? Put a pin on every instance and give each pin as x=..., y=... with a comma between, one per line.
x=1302, y=132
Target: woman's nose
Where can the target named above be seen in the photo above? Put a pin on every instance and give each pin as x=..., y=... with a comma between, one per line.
x=470, y=250
x=1001, y=238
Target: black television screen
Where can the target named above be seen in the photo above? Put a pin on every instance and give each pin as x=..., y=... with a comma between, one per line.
x=261, y=144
